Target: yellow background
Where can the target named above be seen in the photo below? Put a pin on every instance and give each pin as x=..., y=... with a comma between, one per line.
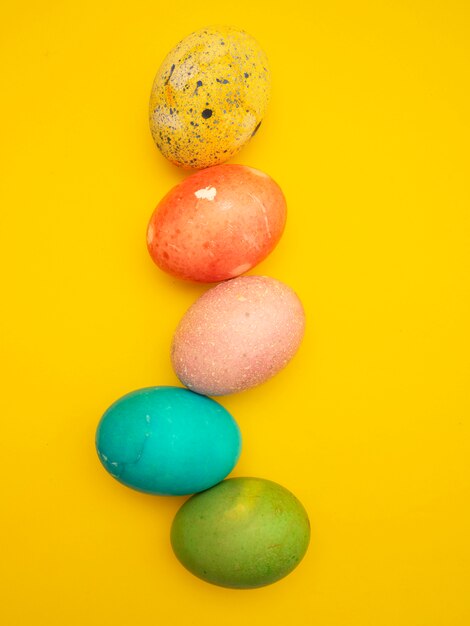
x=368, y=135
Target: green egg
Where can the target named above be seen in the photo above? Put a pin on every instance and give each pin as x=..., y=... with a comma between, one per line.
x=242, y=533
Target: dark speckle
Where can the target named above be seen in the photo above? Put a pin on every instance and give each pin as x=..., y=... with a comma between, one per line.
x=198, y=84
x=222, y=81
x=207, y=113
x=169, y=75
x=246, y=74
x=256, y=129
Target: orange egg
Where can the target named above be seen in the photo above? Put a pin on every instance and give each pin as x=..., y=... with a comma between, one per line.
x=217, y=224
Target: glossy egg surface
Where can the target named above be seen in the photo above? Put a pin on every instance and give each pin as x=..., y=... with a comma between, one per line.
x=168, y=441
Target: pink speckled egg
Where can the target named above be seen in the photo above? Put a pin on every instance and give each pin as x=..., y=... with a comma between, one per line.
x=217, y=224
x=237, y=335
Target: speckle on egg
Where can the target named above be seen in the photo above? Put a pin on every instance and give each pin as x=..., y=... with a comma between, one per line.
x=215, y=80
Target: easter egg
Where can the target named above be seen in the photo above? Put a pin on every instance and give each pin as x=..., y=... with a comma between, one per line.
x=209, y=97
x=167, y=441
x=217, y=223
x=242, y=533
x=237, y=335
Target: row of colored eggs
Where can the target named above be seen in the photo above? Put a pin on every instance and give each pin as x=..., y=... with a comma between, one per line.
x=214, y=226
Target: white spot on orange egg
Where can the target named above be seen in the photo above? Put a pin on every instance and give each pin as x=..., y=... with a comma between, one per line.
x=240, y=269
x=256, y=172
x=225, y=205
x=208, y=193
x=150, y=234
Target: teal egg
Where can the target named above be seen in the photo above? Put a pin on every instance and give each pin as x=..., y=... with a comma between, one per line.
x=168, y=441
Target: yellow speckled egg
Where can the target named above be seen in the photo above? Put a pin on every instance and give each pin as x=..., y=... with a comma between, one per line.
x=209, y=97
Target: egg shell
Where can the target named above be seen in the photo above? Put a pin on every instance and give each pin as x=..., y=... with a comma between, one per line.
x=242, y=533
x=217, y=223
x=209, y=97
x=168, y=441
x=237, y=335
